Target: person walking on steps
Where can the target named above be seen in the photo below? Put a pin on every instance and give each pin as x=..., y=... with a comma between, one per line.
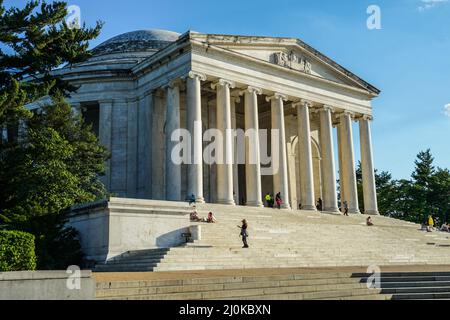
x=244, y=233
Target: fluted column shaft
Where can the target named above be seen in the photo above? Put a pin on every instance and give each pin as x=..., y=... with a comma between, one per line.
x=173, y=170
x=194, y=125
x=305, y=157
x=105, y=136
x=328, y=166
x=225, y=146
x=341, y=167
x=368, y=169
x=252, y=148
x=235, y=100
x=348, y=161
x=280, y=177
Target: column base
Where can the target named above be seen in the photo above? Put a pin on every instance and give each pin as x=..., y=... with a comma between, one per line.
x=354, y=212
x=257, y=204
x=331, y=211
x=200, y=200
x=285, y=207
x=371, y=213
x=309, y=208
x=226, y=202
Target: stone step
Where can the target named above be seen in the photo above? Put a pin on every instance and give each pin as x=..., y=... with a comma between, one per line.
x=326, y=295
x=416, y=290
x=229, y=290
x=308, y=278
x=422, y=296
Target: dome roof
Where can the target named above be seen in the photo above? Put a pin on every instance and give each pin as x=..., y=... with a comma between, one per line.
x=137, y=41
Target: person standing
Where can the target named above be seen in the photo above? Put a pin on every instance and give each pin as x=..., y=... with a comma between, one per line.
x=319, y=205
x=430, y=222
x=345, y=208
x=244, y=233
x=278, y=200
x=268, y=199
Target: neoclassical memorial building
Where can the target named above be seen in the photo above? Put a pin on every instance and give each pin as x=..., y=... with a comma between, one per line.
x=140, y=86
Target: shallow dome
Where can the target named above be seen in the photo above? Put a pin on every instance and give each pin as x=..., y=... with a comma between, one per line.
x=137, y=41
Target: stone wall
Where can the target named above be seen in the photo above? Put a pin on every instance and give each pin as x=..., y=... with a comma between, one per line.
x=108, y=229
x=46, y=285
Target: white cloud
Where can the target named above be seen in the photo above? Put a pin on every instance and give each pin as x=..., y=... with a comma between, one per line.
x=447, y=110
x=429, y=4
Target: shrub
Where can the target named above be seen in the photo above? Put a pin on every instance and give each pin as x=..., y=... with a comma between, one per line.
x=17, y=251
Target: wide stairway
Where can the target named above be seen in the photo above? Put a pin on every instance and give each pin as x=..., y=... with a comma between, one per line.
x=281, y=284
x=292, y=239
x=286, y=239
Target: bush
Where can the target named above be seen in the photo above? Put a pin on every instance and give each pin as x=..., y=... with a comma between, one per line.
x=17, y=251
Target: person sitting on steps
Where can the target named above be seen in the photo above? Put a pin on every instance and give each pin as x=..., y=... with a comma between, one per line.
x=369, y=222
x=211, y=218
x=194, y=215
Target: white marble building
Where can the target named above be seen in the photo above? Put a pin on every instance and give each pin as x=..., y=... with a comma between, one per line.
x=140, y=86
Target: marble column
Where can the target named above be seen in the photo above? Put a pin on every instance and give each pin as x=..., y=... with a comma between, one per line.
x=341, y=167
x=194, y=126
x=307, y=198
x=281, y=181
x=252, y=154
x=235, y=100
x=105, y=135
x=348, y=160
x=225, y=147
x=173, y=169
x=329, y=191
x=368, y=170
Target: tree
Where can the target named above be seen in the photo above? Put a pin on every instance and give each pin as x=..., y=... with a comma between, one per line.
x=35, y=41
x=385, y=190
x=56, y=160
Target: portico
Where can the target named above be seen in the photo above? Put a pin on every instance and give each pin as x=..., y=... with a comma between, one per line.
x=198, y=82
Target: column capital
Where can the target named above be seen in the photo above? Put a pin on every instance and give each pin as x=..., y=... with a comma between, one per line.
x=277, y=96
x=302, y=102
x=223, y=82
x=178, y=82
x=346, y=113
x=365, y=117
x=196, y=75
x=236, y=99
x=251, y=89
x=324, y=108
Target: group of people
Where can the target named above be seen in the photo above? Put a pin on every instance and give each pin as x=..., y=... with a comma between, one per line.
x=195, y=217
x=271, y=201
x=432, y=224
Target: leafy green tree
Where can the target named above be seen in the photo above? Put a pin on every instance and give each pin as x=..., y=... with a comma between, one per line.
x=55, y=160
x=385, y=191
x=35, y=40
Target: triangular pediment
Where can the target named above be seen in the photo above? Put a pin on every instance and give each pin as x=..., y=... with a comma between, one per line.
x=288, y=53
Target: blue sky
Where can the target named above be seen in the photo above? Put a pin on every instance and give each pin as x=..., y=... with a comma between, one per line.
x=408, y=59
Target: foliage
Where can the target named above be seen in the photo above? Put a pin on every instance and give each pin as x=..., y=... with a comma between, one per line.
x=52, y=160
x=17, y=251
x=427, y=192
x=35, y=41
